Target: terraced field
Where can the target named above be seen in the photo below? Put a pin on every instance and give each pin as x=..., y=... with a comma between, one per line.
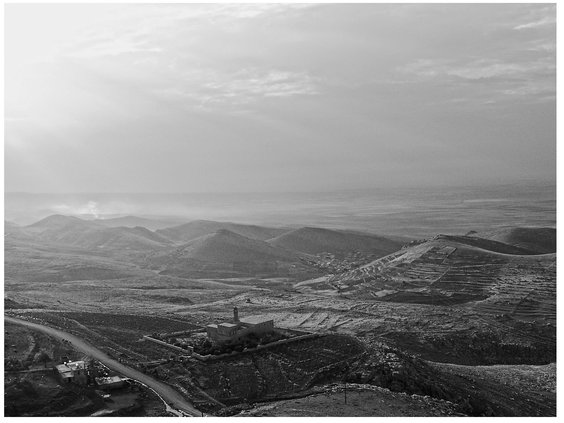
x=444, y=271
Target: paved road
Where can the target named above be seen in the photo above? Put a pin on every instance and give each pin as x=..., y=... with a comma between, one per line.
x=169, y=395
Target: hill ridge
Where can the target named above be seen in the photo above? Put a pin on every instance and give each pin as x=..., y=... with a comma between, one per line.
x=196, y=228
x=315, y=240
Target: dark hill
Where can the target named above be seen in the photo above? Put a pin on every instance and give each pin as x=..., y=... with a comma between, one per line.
x=228, y=254
x=228, y=247
x=318, y=240
x=198, y=228
x=536, y=240
x=487, y=244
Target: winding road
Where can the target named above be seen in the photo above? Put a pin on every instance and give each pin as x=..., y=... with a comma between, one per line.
x=173, y=400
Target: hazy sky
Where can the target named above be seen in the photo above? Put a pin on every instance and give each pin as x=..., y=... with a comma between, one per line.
x=195, y=98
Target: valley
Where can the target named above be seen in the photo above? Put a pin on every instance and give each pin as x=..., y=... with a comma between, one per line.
x=395, y=320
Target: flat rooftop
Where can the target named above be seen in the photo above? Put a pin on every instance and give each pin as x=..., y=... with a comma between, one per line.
x=108, y=380
x=74, y=365
x=255, y=320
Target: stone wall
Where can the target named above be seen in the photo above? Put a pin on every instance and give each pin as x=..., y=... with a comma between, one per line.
x=233, y=353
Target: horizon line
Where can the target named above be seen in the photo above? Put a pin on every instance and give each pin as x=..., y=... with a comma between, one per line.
x=455, y=185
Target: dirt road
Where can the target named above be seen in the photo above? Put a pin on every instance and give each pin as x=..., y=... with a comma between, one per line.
x=169, y=395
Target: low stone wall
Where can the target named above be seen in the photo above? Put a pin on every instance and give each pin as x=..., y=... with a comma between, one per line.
x=165, y=344
x=182, y=332
x=258, y=348
x=233, y=353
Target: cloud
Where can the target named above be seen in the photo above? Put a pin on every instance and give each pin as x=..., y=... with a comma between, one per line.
x=274, y=83
x=545, y=21
x=138, y=29
x=213, y=88
x=114, y=47
x=478, y=69
x=89, y=209
x=500, y=79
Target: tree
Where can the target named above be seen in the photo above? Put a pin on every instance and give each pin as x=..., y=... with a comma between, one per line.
x=44, y=357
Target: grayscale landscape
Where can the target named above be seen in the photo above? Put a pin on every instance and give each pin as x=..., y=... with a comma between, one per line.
x=353, y=217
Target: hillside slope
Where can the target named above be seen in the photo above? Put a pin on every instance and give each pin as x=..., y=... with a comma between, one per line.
x=447, y=271
x=198, y=228
x=536, y=240
x=226, y=253
x=319, y=240
x=13, y=231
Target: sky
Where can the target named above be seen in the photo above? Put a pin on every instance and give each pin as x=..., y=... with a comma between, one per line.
x=277, y=97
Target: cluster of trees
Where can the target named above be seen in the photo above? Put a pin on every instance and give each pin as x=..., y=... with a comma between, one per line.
x=14, y=364
x=203, y=346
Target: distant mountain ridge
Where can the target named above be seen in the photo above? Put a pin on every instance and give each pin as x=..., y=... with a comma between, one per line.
x=197, y=228
x=72, y=231
x=133, y=221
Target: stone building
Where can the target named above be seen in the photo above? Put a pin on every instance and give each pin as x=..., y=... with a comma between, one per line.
x=237, y=329
x=72, y=371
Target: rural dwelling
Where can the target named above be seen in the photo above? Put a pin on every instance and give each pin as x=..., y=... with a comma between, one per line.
x=72, y=371
x=237, y=329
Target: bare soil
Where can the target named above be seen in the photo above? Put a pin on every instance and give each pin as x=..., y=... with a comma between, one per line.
x=361, y=401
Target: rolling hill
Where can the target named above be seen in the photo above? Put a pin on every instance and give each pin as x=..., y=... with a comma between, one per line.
x=227, y=253
x=75, y=232
x=318, y=240
x=13, y=231
x=447, y=270
x=198, y=228
x=133, y=221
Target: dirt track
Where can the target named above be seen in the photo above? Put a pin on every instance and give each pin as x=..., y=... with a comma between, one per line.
x=173, y=399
